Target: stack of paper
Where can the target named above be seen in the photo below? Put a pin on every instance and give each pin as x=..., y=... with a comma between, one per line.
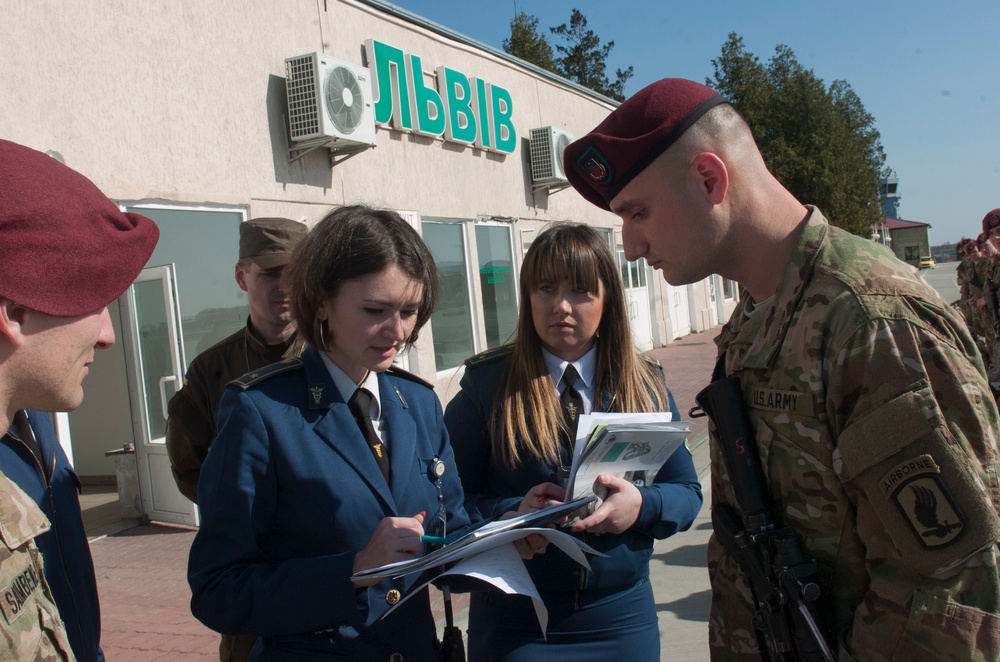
x=488, y=554
x=618, y=444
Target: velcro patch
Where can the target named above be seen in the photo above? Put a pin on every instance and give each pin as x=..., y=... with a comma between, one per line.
x=919, y=482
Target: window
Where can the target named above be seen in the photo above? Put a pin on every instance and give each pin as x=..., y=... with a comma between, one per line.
x=728, y=289
x=204, y=244
x=451, y=321
x=633, y=273
x=496, y=279
x=912, y=253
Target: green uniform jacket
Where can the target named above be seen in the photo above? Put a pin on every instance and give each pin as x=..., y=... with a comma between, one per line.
x=194, y=410
x=878, y=436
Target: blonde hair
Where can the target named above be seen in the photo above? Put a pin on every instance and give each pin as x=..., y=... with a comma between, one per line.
x=527, y=416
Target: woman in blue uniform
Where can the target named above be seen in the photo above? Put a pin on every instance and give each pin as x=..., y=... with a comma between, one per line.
x=304, y=485
x=511, y=437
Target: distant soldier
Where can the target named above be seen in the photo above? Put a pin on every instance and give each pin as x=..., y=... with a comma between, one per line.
x=988, y=269
x=66, y=253
x=265, y=247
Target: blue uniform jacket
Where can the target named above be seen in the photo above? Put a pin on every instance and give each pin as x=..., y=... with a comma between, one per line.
x=69, y=568
x=669, y=505
x=290, y=492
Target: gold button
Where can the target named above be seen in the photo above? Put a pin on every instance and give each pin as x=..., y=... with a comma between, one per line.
x=392, y=597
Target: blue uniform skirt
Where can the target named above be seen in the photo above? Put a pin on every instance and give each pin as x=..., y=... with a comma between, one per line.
x=605, y=626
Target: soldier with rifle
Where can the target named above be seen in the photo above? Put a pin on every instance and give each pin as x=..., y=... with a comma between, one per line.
x=875, y=431
x=989, y=270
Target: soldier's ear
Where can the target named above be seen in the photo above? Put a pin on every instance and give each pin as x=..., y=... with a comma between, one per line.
x=241, y=276
x=713, y=176
x=12, y=319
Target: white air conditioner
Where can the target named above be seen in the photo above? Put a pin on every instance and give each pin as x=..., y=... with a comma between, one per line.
x=329, y=101
x=547, y=145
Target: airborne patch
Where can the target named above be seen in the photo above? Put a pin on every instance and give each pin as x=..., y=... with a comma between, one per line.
x=916, y=488
x=774, y=400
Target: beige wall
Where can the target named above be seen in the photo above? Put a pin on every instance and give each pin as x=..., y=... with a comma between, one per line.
x=184, y=102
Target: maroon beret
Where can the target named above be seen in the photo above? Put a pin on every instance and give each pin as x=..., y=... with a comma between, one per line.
x=991, y=221
x=604, y=161
x=65, y=248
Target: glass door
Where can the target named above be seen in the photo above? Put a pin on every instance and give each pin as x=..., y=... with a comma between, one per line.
x=154, y=351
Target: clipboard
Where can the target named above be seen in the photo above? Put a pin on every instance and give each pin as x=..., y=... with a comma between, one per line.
x=487, y=536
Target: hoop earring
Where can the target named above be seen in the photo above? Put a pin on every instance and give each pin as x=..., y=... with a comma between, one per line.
x=322, y=334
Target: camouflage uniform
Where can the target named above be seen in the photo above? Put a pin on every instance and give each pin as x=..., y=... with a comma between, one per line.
x=969, y=290
x=878, y=436
x=30, y=625
x=194, y=410
x=990, y=278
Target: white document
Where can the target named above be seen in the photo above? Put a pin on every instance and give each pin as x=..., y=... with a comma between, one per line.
x=619, y=443
x=500, y=566
x=485, y=537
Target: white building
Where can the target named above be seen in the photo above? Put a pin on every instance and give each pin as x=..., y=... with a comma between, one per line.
x=179, y=110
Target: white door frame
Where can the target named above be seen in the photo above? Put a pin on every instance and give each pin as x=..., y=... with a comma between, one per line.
x=161, y=500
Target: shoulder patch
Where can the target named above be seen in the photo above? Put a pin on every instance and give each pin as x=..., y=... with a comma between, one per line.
x=399, y=372
x=252, y=378
x=489, y=355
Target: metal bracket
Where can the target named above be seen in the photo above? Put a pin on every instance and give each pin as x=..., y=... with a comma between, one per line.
x=551, y=188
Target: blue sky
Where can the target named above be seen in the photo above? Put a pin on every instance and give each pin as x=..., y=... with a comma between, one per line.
x=928, y=72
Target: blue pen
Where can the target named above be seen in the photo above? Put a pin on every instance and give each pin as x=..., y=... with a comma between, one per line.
x=436, y=540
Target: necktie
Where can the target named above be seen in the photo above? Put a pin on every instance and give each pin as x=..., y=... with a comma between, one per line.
x=360, y=405
x=572, y=403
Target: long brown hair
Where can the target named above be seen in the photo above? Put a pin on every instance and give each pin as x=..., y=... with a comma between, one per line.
x=527, y=416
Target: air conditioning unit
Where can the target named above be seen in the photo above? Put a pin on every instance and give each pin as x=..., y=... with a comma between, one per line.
x=329, y=101
x=546, y=146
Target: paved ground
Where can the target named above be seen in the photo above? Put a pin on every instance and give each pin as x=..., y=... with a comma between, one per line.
x=144, y=592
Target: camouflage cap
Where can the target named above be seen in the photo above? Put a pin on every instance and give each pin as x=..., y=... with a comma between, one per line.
x=604, y=161
x=269, y=241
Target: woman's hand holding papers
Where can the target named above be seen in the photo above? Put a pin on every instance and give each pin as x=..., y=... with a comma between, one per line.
x=538, y=497
x=395, y=539
x=619, y=511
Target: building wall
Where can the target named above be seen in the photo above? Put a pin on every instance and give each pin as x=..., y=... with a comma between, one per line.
x=184, y=102
x=910, y=244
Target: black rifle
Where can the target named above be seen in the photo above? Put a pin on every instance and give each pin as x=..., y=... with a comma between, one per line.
x=782, y=579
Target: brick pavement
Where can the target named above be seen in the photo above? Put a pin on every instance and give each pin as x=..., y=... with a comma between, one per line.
x=141, y=572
